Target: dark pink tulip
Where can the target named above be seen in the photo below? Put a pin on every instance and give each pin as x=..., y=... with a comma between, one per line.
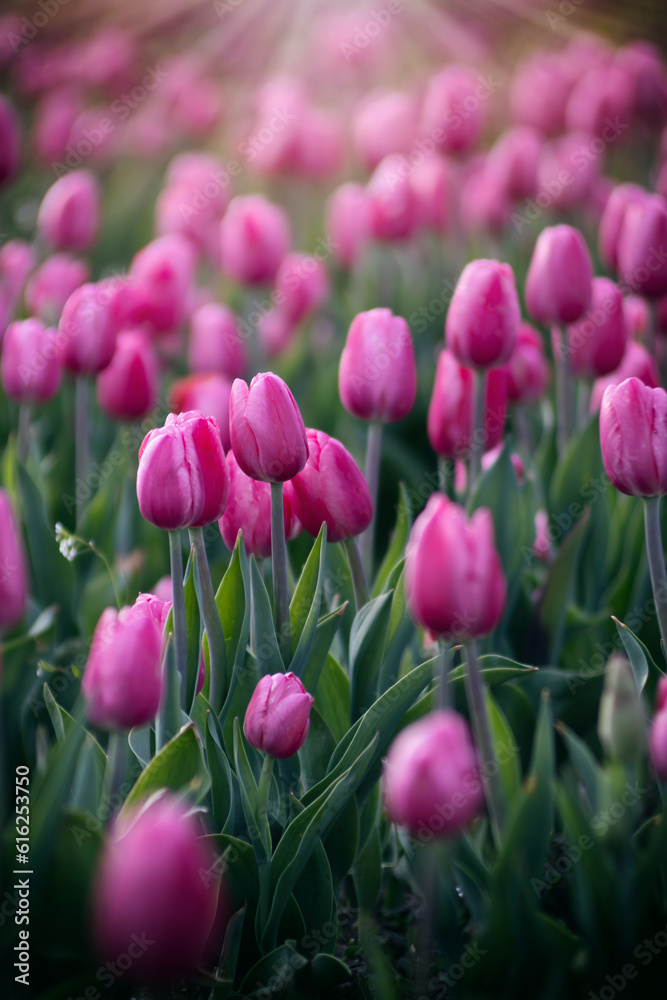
x=152, y=606
x=600, y=97
x=542, y=544
x=14, y=575
x=150, y=893
x=349, y=221
x=484, y=315
x=431, y=185
x=183, y=479
x=633, y=438
x=559, y=284
x=377, y=378
x=87, y=329
x=50, y=286
x=10, y=142
x=567, y=173
x=612, y=221
x=489, y=458
x=454, y=108
x=642, y=249
x=31, y=367
x=483, y=202
x=249, y=511
x=301, y=286
x=127, y=388
x=122, y=681
x=319, y=149
x=266, y=429
x=513, y=162
x=382, y=124
x=430, y=780
x=645, y=66
x=637, y=316
x=277, y=719
x=17, y=262
x=208, y=393
x=394, y=207
x=57, y=112
x=450, y=412
x=636, y=363
x=215, y=343
x=255, y=236
x=331, y=489
x=159, y=284
x=276, y=331
x=658, y=743
x=539, y=93
x=527, y=369
x=68, y=217
x=454, y=580
x=596, y=343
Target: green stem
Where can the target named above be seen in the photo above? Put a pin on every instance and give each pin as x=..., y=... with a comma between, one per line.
x=478, y=435
x=563, y=390
x=212, y=623
x=444, y=700
x=117, y=748
x=446, y=477
x=372, y=472
x=264, y=831
x=24, y=431
x=480, y=722
x=178, y=609
x=82, y=438
x=359, y=582
x=656, y=562
x=279, y=568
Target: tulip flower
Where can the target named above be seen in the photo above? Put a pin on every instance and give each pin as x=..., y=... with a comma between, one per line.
x=255, y=236
x=277, y=718
x=149, y=894
x=159, y=284
x=596, y=343
x=249, y=511
x=13, y=567
x=68, y=217
x=658, y=731
x=51, y=285
x=453, y=113
x=513, y=162
x=539, y=93
x=483, y=316
x=17, y=261
x=349, y=221
x=301, y=286
x=215, y=343
x=127, y=388
x=10, y=142
x=31, y=367
x=450, y=414
x=382, y=124
x=642, y=264
x=207, y=393
x=430, y=780
x=431, y=184
x=611, y=222
x=393, y=203
x=637, y=314
x=527, y=370
x=636, y=363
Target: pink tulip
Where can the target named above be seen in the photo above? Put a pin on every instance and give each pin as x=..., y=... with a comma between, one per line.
x=10, y=142
x=331, y=489
x=644, y=64
x=430, y=780
x=559, y=284
x=601, y=95
x=542, y=545
x=483, y=317
x=454, y=580
x=393, y=204
x=152, y=895
x=349, y=221
x=377, y=378
x=266, y=429
x=88, y=329
x=527, y=369
x=215, y=343
x=127, y=388
x=382, y=124
x=68, y=217
x=642, y=263
x=431, y=184
x=277, y=718
x=633, y=422
x=483, y=202
x=319, y=150
x=454, y=110
x=596, y=343
x=539, y=93
x=183, y=480
x=51, y=285
x=636, y=363
x=159, y=284
x=567, y=156
x=514, y=160
x=255, y=237
x=301, y=286
x=17, y=262
x=489, y=458
x=57, y=112
x=249, y=511
x=637, y=315
x=276, y=331
x=209, y=394
x=450, y=412
x=31, y=367
x=14, y=575
x=611, y=222
x=658, y=744
x=122, y=681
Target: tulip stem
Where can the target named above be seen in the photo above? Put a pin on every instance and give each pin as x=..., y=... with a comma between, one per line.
x=24, y=431
x=359, y=582
x=656, y=562
x=563, y=389
x=443, y=676
x=372, y=473
x=264, y=833
x=279, y=568
x=446, y=477
x=480, y=722
x=212, y=623
x=478, y=435
x=178, y=610
x=82, y=439
x=117, y=750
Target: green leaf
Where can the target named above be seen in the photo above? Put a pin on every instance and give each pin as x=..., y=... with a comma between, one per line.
x=193, y=628
x=638, y=654
x=306, y=603
x=273, y=966
x=506, y=751
x=169, y=719
x=178, y=766
x=367, y=643
x=325, y=633
x=559, y=587
x=397, y=542
x=269, y=660
x=221, y=777
x=258, y=826
x=233, y=603
x=54, y=712
x=332, y=698
x=584, y=761
x=367, y=872
x=401, y=630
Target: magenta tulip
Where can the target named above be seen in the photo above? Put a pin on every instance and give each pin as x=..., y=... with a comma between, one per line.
x=50, y=286
x=483, y=317
x=383, y=123
x=31, y=367
x=633, y=438
x=301, y=286
x=17, y=262
x=454, y=109
x=266, y=429
x=636, y=363
x=277, y=718
x=450, y=413
x=159, y=284
x=207, y=393
x=349, y=220
x=88, y=329
x=642, y=263
x=431, y=183
x=559, y=284
x=216, y=344
x=249, y=511
x=637, y=314
x=127, y=388
x=13, y=567
x=527, y=370
x=514, y=160
x=68, y=217
x=10, y=142
x=596, y=343
x=377, y=378
x=611, y=222
x=255, y=236
x=393, y=202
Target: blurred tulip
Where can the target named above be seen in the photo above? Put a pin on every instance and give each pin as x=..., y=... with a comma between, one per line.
x=453, y=112
x=483, y=203
x=215, y=343
x=642, y=263
x=31, y=367
x=266, y=429
x=636, y=363
x=159, y=284
x=277, y=718
x=596, y=343
x=88, y=329
x=249, y=511
x=56, y=114
x=644, y=65
x=489, y=458
x=542, y=545
x=637, y=317
x=600, y=96
x=209, y=394
x=68, y=216
x=539, y=93
x=658, y=744
x=568, y=156
x=13, y=567
x=301, y=286
x=10, y=142
x=255, y=237
x=50, y=286
x=514, y=160
x=17, y=261
x=382, y=124
x=349, y=221
x=320, y=150
x=431, y=185
x=527, y=370
x=377, y=378
x=559, y=284
x=127, y=388
x=450, y=412
x=611, y=222
x=394, y=207
x=633, y=418
x=483, y=316
x=621, y=719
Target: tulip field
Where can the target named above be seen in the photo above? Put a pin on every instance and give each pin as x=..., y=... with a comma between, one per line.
x=333, y=437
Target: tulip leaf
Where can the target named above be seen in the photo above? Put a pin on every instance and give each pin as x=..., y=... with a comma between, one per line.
x=505, y=750
x=193, y=630
x=397, y=542
x=367, y=643
x=272, y=966
x=269, y=660
x=178, y=766
x=584, y=762
x=316, y=751
x=325, y=633
x=332, y=698
x=236, y=859
x=558, y=589
x=367, y=872
x=306, y=603
x=401, y=629
x=233, y=603
x=314, y=892
x=639, y=656
x=88, y=779
x=54, y=712
x=221, y=777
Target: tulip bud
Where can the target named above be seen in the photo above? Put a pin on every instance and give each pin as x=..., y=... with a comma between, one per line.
x=611, y=222
x=13, y=574
x=17, y=260
x=483, y=202
x=658, y=732
x=183, y=480
x=276, y=332
x=215, y=343
x=450, y=413
x=431, y=184
x=51, y=285
x=454, y=580
x=10, y=142
x=513, y=162
x=209, y=394
x=249, y=511
x=430, y=780
x=393, y=203
x=349, y=219
x=539, y=93
x=637, y=315
x=642, y=263
x=122, y=681
x=331, y=489
x=151, y=893
x=484, y=315
x=255, y=236
x=319, y=151
x=453, y=110
x=377, y=378
x=277, y=719
x=127, y=388
x=559, y=284
x=301, y=286
x=633, y=418
x=542, y=545
x=383, y=123
x=88, y=329
x=636, y=363
x=160, y=280
x=266, y=429
x=30, y=365
x=68, y=217
x=556, y=160
x=527, y=370
x=596, y=343
x=56, y=113
x=621, y=722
